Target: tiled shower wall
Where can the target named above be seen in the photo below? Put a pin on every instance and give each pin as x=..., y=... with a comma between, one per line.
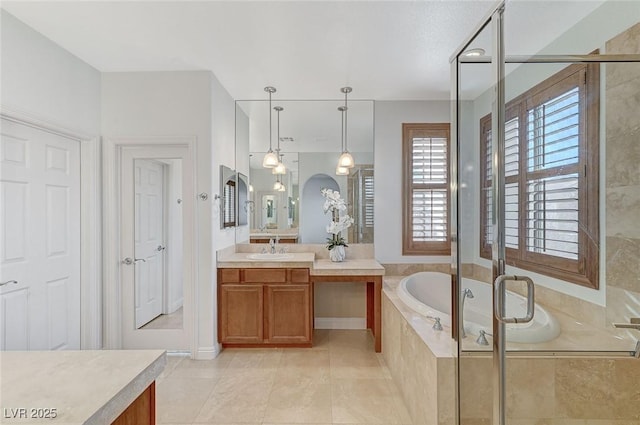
x=623, y=180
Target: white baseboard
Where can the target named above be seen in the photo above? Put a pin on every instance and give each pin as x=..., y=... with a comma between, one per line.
x=340, y=323
x=207, y=353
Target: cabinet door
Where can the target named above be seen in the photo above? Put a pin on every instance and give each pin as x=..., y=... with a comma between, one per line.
x=241, y=309
x=288, y=314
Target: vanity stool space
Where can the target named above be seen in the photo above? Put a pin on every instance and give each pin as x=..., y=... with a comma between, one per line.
x=265, y=307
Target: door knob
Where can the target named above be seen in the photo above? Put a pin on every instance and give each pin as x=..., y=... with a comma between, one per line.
x=129, y=261
x=160, y=248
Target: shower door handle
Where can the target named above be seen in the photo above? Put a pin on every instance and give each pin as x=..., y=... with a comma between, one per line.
x=500, y=295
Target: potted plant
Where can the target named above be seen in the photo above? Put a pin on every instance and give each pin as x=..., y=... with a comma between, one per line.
x=334, y=203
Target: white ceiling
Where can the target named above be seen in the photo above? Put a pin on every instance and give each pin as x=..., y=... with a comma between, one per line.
x=308, y=49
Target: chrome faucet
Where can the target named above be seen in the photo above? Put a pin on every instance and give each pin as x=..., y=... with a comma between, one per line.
x=465, y=294
x=272, y=245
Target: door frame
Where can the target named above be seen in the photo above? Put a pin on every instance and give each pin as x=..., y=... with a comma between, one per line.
x=111, y=162
x=90, y=221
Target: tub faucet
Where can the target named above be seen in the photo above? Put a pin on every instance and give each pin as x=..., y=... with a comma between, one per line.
x=482, y=338
x=272, y=245
x=465, y=294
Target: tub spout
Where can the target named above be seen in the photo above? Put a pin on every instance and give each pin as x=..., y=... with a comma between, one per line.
x=437, y=325
x=465, y=294
x=482, y=339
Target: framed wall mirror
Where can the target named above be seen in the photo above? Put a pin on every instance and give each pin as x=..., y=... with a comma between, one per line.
x=290, y=205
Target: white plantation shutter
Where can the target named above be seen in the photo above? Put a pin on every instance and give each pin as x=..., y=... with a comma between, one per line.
x=553, y=142
x=429, y=200
x=426, y=155
x=368, y=200
x=229, y=199
x=551, y=178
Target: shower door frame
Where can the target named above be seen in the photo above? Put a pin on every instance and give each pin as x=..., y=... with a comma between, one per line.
x=495, y=18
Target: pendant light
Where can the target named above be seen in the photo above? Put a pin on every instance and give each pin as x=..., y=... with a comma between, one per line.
x=280, y=168
x=340, y=170
x=270, y=159
x=346, y=160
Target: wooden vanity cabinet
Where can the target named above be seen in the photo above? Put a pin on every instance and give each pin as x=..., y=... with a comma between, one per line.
x=264, y=307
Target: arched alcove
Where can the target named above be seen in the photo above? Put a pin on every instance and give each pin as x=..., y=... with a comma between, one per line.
x=313, y=221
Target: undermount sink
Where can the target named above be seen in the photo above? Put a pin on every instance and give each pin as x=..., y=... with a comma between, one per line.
x=268, y=256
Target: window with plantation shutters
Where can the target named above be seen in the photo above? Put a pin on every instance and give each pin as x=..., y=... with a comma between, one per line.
x=368, y=199
x=229, y=199
x=426, y=189
x=551, y=178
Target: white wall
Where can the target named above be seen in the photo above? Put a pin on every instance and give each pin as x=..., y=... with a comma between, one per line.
x=223, y=153
x=243, y=166
x=44, y=81
x=147, y=104
x=389, y=117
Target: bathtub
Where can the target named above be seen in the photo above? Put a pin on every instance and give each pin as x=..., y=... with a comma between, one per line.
x=429, y=294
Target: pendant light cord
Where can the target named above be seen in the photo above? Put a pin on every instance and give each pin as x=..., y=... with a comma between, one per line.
x=270, y=124
x=345, y=121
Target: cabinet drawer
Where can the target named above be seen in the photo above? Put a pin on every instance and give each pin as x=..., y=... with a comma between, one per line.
x=229, y=275
x=265, y=275
x=299, y=275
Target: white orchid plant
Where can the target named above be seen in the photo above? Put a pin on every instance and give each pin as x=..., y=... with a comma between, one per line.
x=334, y=203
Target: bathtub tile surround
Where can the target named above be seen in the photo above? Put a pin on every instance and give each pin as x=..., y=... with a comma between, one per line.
x=540, y=390
x=623, y=180
x=406, y=269
x=326, y=384
x=424, y=374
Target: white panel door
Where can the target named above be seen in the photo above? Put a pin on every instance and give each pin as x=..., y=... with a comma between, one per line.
x=149, y=239
x=39, y=239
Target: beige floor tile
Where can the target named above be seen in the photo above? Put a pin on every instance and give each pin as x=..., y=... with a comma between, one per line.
x=356, y=339
x=352, y=363
x=178, y=400
x=310, y=364
x=172, y=362
x=401, y=408
x=363, y=401
x=321, y=339
x=240, y=397
x=299, y=400
x=201, y=368
x=254, y=360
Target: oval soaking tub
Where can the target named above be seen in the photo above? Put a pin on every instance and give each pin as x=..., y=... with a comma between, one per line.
x=429, y=294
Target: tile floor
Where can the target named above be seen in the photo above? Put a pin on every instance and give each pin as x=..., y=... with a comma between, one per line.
x=166, y=321
x=338, y=381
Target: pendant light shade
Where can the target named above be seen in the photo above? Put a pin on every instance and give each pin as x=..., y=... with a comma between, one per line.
x=342, y=171
x=280, y=168
x=277, y=185
x=346, y=159
x=271, y=158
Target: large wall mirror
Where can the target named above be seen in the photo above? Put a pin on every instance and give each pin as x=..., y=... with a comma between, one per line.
x=289, y=206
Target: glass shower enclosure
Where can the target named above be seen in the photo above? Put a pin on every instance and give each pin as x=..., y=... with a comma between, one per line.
x=546, y=200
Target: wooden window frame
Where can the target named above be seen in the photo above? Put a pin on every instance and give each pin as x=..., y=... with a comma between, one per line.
x=409, y=246
x=585, y=270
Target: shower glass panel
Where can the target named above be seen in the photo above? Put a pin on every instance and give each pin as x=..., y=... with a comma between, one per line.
x=571, y=198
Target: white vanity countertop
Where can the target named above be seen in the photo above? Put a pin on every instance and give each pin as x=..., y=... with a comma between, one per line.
x=243, y=260
x=349, y=267
x=84, y=387
x=273, y=235
x=318, y=267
